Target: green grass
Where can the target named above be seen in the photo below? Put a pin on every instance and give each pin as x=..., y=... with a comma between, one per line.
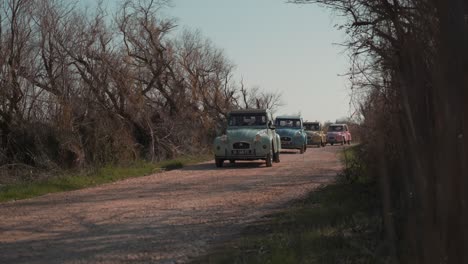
x=79, y=180
x=338, y=223
x=355, y=167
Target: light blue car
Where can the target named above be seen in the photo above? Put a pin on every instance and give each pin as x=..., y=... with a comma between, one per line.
x=291, y=132
x=250, y=135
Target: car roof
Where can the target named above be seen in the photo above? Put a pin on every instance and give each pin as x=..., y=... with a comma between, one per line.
x=288, y=117
x=248, y=111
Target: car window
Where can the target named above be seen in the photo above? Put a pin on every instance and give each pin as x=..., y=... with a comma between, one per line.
x=247, y=120
x=312, y=127
x=335, y=128
x=288, y=123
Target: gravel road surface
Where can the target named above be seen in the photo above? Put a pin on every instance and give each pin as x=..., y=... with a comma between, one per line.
x=163, y=218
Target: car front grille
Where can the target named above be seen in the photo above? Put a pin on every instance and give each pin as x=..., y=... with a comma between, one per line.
x=285, y=139
x=241, y=145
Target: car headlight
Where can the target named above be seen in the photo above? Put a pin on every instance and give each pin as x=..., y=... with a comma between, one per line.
x=298, y=134
x=258, y=137
x=224, y=138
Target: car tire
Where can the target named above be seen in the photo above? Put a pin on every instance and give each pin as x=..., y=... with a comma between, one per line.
x=342, y=142
x=269, y=160
x=276, y=158
x=219, y=163
x=332, y=144
x=349, y=142
x=232, y=161
x=276, y=155
x=301, y=150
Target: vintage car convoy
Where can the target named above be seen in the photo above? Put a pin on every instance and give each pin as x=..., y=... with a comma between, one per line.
x=338, y=133
x=315, y=134
x=291, y=132
x=250, y=135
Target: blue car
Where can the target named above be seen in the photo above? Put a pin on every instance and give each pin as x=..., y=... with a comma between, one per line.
x=291, y=132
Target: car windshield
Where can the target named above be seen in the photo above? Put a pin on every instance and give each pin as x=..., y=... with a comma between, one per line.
x=294, y=123
x=248, y=120
x=312, y=127
x=335, y=128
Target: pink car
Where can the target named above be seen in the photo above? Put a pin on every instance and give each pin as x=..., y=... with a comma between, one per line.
x=338, y=133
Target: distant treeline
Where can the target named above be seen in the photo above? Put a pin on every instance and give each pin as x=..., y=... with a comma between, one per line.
x=84, y=87
x=409, y=70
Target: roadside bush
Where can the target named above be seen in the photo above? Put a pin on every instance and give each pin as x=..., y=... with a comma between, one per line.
x=356, y=169
x=80, y=89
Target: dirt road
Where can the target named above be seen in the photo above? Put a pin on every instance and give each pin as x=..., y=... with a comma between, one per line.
x=162, y=218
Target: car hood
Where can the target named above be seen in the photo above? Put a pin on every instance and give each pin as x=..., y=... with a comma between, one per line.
x=287, y=132
x=244, y=134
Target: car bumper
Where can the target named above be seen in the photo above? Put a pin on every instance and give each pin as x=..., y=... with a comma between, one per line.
x=335, y=140
x=232, y=157
x=314, y=140
x=251, y=154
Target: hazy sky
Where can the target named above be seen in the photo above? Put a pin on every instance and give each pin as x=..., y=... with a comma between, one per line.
x=279, y=47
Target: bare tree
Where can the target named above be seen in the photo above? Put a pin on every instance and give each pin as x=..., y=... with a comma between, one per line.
x=260, y=99
x=80, y=88
x=409, y=71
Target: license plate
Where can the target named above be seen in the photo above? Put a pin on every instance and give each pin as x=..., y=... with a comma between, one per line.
x=285, y=142
x=241, y=152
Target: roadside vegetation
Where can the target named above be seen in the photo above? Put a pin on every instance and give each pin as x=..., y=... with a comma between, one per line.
x=74, y=180
x=82, y=87
x=338, y=223
x=408, y=78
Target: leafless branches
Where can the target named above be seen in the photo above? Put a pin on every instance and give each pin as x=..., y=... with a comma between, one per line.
x=81, y=87
x=409, y=65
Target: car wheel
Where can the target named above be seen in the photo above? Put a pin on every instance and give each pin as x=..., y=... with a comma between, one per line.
x=320, y=144
x=332, y=144
x=342, y=142
x=269, y=160
x=305, y=147
x=232, y=161
x=219, y=163
x=349, y=142
x=301, y=150
x=276, y=156
x=324, y=144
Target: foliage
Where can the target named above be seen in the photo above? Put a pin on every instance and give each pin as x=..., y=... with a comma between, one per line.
x=355, y=169
x=409, y=63
x=82, y=88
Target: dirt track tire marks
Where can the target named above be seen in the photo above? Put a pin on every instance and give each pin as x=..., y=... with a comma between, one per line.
x=162, y=218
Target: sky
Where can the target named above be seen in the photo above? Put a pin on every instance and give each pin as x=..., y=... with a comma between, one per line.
x=279, y=47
